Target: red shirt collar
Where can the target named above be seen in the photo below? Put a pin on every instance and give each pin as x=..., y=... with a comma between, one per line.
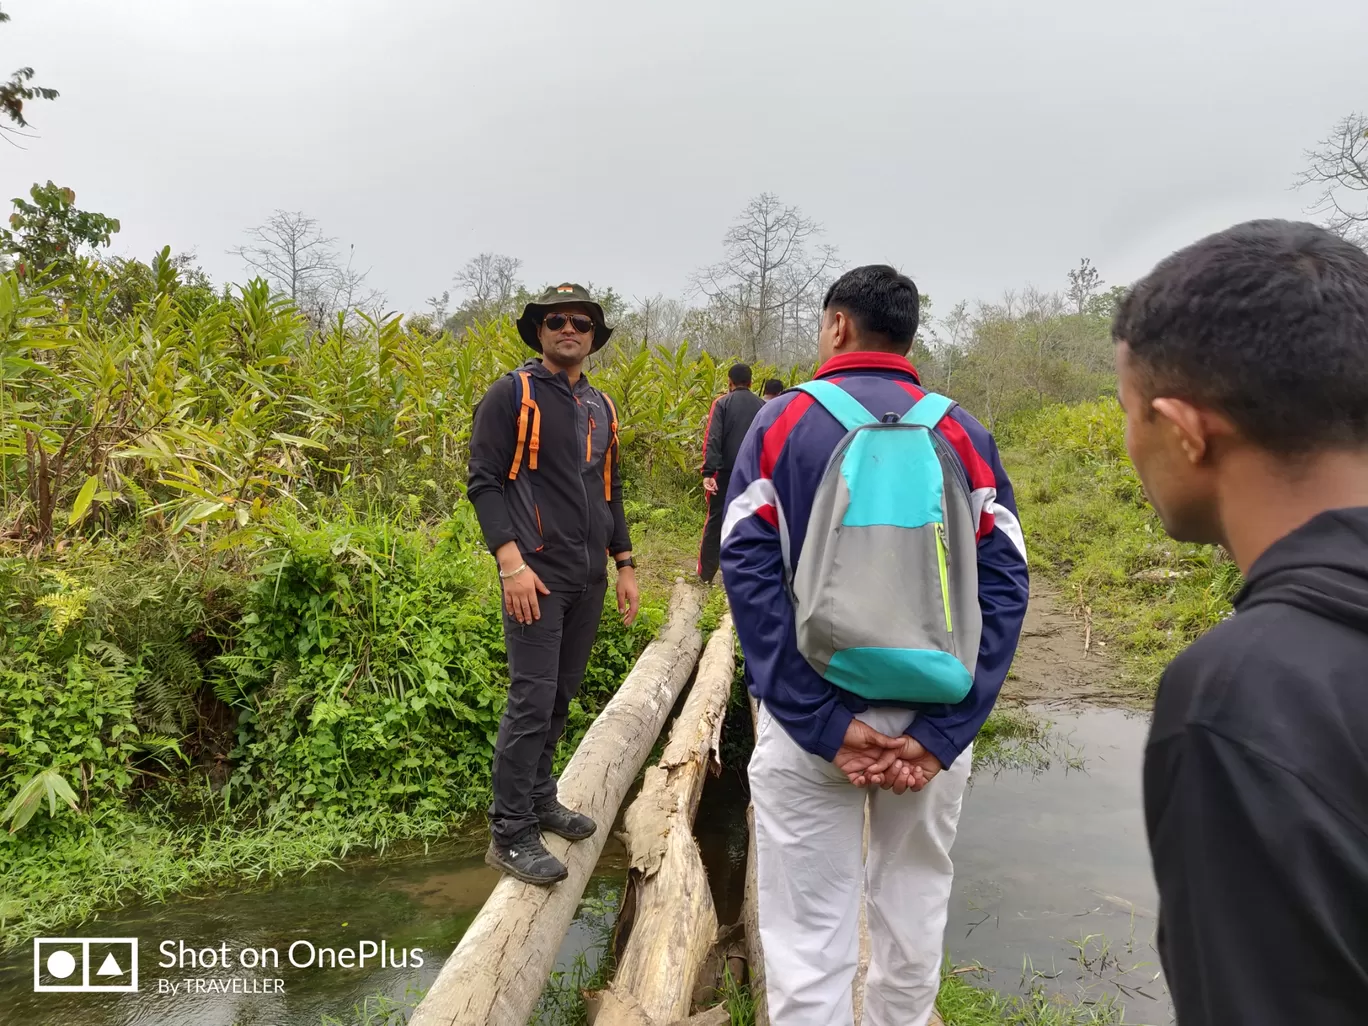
x=868, y=361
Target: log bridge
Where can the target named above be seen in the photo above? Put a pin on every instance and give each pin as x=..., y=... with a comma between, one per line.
x=669, y=949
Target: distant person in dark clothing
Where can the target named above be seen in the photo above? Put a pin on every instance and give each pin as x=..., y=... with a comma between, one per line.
x=545, y=483
x=728, y=421
x=773, y=387
x=1243, y=364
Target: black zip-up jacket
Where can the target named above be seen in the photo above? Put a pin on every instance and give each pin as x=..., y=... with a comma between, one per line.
x=557, y=513
x=1256, y=794
x=728, y=421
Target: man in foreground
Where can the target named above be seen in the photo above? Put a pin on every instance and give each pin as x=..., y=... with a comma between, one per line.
x=545, y=484
x=1243, y=364
x=728, y=421
x=820, y=747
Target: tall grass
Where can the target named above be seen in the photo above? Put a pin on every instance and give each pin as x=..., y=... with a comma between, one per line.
x=1087, y=523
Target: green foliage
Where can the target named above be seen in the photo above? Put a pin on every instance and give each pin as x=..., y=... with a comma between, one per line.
x=19, y=88
x=46, y=783
x=47, y=235
x=379, y=1010
x=1085, y=518
x=962, y=1004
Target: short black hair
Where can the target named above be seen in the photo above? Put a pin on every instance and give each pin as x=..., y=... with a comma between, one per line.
x=883, y=303
x=739, y=374
x=774, y=387
x=1266, y=322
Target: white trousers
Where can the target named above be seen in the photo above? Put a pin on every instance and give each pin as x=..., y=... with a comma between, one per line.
x=809, y=829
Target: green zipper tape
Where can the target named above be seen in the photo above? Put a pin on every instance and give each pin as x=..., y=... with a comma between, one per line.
x=944, y=575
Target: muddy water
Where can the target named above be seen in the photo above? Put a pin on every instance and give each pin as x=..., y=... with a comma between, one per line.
x=1053, y=885
x=1044, y=861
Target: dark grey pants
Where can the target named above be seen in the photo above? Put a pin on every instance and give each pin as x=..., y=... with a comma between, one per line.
x=710, y=549
x=546, y=662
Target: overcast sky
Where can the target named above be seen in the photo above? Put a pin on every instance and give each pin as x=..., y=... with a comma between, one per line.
x=980, y=145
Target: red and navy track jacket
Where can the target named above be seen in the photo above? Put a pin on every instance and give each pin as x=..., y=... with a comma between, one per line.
x=768, y=503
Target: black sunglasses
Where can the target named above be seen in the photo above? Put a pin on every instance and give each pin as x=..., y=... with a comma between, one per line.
x=582, y=324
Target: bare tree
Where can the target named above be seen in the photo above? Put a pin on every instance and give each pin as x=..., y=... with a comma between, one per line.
x=657, y=321
x=490, y=282
x=1085, y=281
x=772, y=263
x=439, y=306
x=1339, y=169
x=346, y=291
x=291, y=253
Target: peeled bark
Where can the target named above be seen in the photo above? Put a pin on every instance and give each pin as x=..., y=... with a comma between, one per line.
x=499, y=970
x=669, y=921
x=625, y=1009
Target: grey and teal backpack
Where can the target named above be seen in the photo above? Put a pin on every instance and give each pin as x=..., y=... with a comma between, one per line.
x=886, y=592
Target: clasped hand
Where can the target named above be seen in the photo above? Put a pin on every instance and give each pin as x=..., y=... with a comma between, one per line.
x=898, y=764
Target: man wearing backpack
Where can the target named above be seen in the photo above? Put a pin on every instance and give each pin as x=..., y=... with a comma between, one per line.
x=545, y=484
x=876, y=573
x=728, y=421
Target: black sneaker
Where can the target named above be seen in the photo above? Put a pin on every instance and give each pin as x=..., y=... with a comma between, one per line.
x=557, y=819
x=526, y=859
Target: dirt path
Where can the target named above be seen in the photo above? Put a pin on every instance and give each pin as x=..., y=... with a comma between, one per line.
x=1051, y=662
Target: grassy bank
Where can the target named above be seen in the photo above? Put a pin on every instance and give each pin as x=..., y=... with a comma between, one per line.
x=350, y=702
x=1089, y=530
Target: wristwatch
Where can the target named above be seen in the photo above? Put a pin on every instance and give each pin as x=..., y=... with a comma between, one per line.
x=629, y=561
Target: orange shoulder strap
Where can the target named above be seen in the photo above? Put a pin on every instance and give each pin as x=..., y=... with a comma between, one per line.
x=529, y=419
x=613, y=450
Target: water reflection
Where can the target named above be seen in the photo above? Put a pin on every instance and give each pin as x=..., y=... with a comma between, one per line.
x=1053, y=885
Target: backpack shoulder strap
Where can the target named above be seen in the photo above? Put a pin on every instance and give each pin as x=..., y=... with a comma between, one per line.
x=929, y=410
x=529, y=424
x=839, y=403
x=613, y=447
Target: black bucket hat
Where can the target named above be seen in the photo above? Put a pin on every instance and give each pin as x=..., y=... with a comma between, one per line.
x=562, y=295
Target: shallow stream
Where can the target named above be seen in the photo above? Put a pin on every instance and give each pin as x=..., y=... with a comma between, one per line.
x=1053, y=889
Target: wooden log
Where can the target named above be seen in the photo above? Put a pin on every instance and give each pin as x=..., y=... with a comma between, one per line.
x=755, y=950
x=623, y=1008
x=673, y=922
x=501, y=966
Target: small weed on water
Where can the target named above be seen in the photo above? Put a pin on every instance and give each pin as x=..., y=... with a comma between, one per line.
x=379, y=1010
x=962, y=1004
x=1014, y=738
x=562, y=1002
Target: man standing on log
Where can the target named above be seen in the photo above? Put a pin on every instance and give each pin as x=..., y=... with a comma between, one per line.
x=545, y=483
x=878, y=590
x=728, y=421
x=1243, y=368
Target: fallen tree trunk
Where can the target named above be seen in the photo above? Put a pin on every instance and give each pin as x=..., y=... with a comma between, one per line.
x=499, y=970
x=623, y=1008
x=669, y=922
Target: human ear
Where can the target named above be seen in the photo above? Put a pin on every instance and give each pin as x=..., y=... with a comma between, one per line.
x=1189, y=423
x=840, y=332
